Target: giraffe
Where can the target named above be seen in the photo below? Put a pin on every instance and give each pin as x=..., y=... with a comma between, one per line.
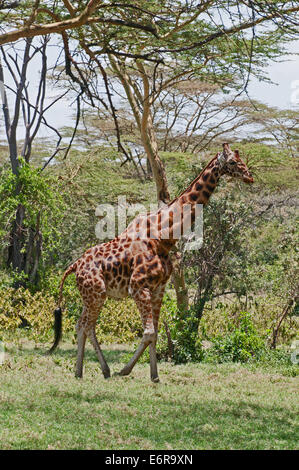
x=137, y=263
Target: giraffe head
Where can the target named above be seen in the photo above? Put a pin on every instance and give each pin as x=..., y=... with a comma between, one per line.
x=232, y=165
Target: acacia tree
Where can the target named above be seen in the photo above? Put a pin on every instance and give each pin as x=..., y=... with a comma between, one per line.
x=193, y=114
x=278, y=125
x=185, y=36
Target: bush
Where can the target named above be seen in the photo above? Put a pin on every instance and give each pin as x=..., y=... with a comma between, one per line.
x=240, y=344
x=22, y=308
x=43, y=205
x=183, y=330
x=119, y=322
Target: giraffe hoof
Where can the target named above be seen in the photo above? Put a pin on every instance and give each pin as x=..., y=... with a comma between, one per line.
x=107, y=374
x=118, y=374
x=122, y=373
x=155, y=380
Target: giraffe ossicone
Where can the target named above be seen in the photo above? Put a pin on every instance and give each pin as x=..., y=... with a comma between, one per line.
x=140, y=266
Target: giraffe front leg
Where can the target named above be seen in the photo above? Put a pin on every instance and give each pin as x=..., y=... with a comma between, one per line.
x=142, y=298
x=153, y=361
x=146, y=340
x=156, y=298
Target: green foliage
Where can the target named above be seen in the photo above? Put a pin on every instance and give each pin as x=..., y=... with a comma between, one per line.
x=39, y=195
x=222, y=264
x=19, y=307
x=264, y=310
x=183, y=329
x=119, y=322
x=240, y=344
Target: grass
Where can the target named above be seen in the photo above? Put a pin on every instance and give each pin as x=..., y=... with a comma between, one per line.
x=196, y=406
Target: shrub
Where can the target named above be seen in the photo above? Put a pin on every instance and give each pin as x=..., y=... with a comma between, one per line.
x=241, y=343
x=183, y=330
x=39, y=195
x=119, y=322
x=20, y=307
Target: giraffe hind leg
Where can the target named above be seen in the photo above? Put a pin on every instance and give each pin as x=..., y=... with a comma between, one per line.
x=86, y=328
x=81, y=338
x=104, y=366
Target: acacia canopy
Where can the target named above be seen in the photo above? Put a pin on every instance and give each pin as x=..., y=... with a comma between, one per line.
x=163, y=26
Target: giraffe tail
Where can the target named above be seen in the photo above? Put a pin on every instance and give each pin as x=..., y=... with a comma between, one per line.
x=58, y=311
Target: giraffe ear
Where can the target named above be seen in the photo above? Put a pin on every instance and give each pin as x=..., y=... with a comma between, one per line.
x=237, y=153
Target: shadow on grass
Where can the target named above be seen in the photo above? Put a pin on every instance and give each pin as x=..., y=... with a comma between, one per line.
x=241, y=424
x=111, y=355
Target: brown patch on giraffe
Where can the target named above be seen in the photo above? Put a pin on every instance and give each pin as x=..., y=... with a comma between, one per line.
x=193, y=197
x=138, y=260
x=153, y=265
x=209, y=187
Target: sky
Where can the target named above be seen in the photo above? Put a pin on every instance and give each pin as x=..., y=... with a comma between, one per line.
x=285, y=94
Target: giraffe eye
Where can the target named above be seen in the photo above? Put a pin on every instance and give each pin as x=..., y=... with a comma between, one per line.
x=233, y=163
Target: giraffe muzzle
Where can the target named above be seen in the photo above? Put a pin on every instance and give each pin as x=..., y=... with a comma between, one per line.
x=248, y=179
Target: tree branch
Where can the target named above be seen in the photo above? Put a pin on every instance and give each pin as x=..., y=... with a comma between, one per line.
x=72, y=23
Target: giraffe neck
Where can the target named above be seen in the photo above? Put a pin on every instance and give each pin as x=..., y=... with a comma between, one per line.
x=200, y=190
x=180, y=213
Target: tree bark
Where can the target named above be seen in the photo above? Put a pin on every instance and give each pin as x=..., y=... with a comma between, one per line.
x=285, y=312
x=141, y=110
x=178, y=279
x=149, y=141
x=204, y=298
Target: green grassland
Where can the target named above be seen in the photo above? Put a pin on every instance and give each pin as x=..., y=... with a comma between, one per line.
x=196, y=406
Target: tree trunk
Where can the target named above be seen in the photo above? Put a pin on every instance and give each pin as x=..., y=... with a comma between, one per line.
x=141, y=108
x=17, y=241
x=204, y=298
x=11, y=137
x=283, y=316
x=178, y=279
